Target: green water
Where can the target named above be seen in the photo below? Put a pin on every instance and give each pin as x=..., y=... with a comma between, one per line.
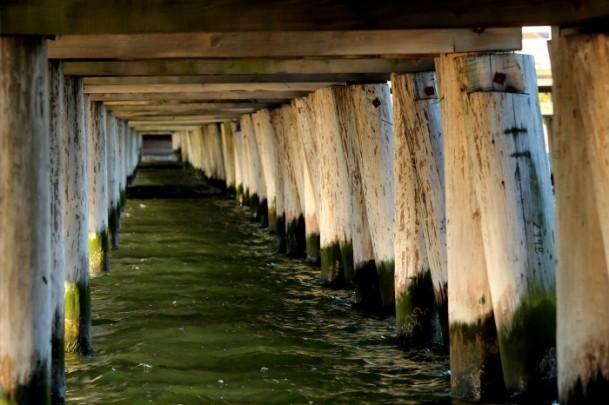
x=199, y=308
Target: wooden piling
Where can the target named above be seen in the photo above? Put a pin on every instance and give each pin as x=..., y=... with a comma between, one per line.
x=308, y=138
x=114, y=211
x=98, y=190
x=77, y=294
x=228, y=130
x=257, y=186
x=579, y=146
x=281, y=180
x=58, y=269
x=474, y=352
x=374, y=114
x=364, y=277
x=265, y=139
x=420, y=231
x=240, y=182
x=25, y=221
x=335, y=202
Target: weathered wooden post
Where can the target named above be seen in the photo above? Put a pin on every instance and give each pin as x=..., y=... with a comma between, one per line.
x=579, y=146
x=98, y=192
x=228, y=131
x=240, y=181
x=77, y=295
x=374, y=114
x=58, y=259
x=511, y=178
x=25, y=249
x=335, y=202
x=364, y=276
x=218, y=173
x=307, y=136
x=421, y=274
x=114, y=210
x=258, y=201
x=281, y=180
x=474, y=352
x=123, y=128
x=293, y=186
x=265, y=139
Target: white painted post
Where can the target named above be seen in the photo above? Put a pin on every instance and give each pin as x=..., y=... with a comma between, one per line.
x=579, y=146
x=258, y=203
x=228, y=150
x=240, y=181
x=58, y=236
x=282, y=173
x=420, y=230
x=122, y=171
x=98, y=193
x=25, y=273
x=265, y=139
x=335, y=204
x=217, y=154
x=374, y=114
x=307, y=136
x=364, y=276
x=77, y=295
x=113, y=188
x=510, y=173
x=294, y=187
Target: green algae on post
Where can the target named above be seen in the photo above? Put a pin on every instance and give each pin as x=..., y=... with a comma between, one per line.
x=416, y=315
x=313, y=249
x=332, y=273
x=386, y=277
x=346, y=256
x=77, y=318
x=528, y=347
x=98, y=252
x=475, y=362
x=272, y=216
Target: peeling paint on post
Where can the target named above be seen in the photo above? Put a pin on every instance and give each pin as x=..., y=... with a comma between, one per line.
x=98, y=193
x=579, y=146
x=77, y=296
x=26, y=287
x=511, y=177
x=58, y=269
x=309, y=154
x=374, y=114
x=420, y=229
x=265, y=138
x=335, y=202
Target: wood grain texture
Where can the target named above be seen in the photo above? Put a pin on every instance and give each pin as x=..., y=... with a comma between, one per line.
x=290, y=44
x=145, y=16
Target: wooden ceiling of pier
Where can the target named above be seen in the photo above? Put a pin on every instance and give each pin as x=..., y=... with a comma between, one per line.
x=168, y=65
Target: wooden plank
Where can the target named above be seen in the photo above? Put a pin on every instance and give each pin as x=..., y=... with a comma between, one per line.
x=283, y=44
x=203, y=87
x=277, y=96
x=181, y=105
x=239, y=69
x=240, y=79
x=145, y=16
x=143, y=115
x=183, y=119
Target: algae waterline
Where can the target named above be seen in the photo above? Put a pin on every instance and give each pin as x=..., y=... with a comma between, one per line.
x=200, y=308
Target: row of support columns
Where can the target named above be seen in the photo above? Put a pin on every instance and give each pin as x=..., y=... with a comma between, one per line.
x=436, y=201
x=61, y=157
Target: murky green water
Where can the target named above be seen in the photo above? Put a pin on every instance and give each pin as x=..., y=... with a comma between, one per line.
x=199, y=308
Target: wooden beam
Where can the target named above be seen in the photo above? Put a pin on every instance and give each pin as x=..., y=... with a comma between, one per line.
x=239, y=69
x=241, y=79
x=275, y=96
x=184, y=119
x=50, y=17
x=283, y=44
x=204, y=87
x=196, y=122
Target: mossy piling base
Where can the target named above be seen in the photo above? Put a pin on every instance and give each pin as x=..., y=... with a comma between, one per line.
x=78, y=319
